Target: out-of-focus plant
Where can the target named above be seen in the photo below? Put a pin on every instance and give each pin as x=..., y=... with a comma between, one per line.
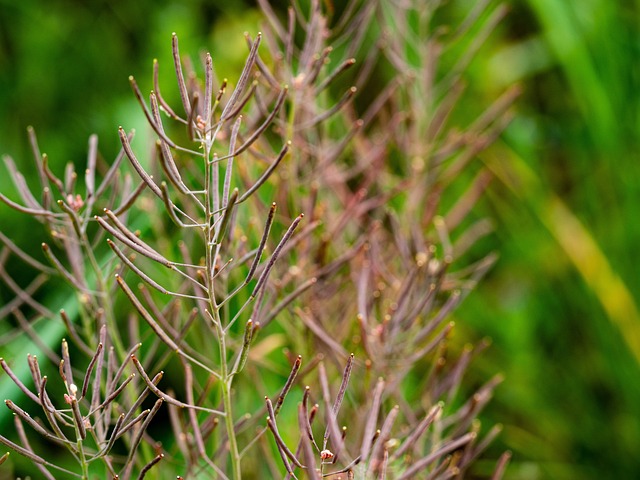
x=563, y=304
x=230, y=271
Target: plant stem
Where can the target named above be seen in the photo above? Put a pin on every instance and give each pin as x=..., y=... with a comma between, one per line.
x=211, y=193
x=226, y=398
x=83, y=459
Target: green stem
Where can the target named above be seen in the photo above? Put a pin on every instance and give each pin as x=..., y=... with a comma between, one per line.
x=83, y=459
x=211, y=188
x=291, y=118
x=226, y=398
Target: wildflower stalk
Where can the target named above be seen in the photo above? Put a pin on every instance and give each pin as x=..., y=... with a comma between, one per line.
x=225, y=387
x=212, y=245
x=83, y=460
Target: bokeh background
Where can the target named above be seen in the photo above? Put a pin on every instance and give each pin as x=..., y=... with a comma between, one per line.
x=561, y=305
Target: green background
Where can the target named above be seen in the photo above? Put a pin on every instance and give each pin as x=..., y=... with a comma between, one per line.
x=561, y=305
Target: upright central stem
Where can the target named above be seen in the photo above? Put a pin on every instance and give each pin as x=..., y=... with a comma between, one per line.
x=225, y=385
x=212, y=192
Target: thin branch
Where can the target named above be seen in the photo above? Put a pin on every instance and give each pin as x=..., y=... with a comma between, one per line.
x=263, y=178
x=151, y=385
x=156, y=328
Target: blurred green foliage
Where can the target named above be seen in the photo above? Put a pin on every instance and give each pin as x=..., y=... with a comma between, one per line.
x=561, y=305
